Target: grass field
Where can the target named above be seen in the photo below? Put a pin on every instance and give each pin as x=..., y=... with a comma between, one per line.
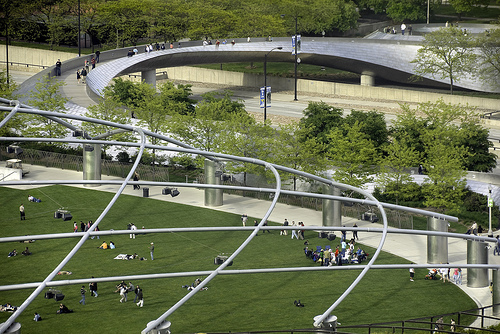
x=231, y=303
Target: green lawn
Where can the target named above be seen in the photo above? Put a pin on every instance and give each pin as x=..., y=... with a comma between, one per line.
x=231, y=303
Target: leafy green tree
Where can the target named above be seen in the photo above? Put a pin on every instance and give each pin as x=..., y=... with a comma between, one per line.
x=402, y=10
x=353, y=154
x=7, y=85
x=319, y=119
x=46, y=96
x=108, y=109
x=129, y=19
x=372, y=124
x=475, y=137
x=176, y=99
x=444, y=168
x=150, y=112
x=243, y=136
x=465, y=6
x=446, y=53
x=303, y=155
x=394, y=167
x=489, y=45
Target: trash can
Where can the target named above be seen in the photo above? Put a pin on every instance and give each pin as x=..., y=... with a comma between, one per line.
x=145, y=192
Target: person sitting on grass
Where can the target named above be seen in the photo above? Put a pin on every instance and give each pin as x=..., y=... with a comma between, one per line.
x=26, y=252
x=37, y=317
x=63, y=309
x=12, y=253
x=104, y=245
x=112, y=245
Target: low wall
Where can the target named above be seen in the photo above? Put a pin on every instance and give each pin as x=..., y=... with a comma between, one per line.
x=322, y=87
x=32, y=60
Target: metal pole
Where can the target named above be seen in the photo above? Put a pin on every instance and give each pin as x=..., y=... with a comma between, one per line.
x=79, y=32
x=490, y=231
x=265, y=86
x=7, y=41
x=296, y=44
x=428, y=6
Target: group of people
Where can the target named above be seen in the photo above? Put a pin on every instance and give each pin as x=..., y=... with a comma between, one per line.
x=343, y=254
x=124, y=289
x=81, y=75
x=217, y=42
x=298, y=234
x=84, y=227
x=25, y=252
x=105, y=245
x=445, y=274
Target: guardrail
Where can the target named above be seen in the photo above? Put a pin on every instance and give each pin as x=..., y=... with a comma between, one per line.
x=12, y=63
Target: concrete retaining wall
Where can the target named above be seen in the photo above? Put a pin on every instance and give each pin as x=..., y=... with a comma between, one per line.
x=329, y=88
x=35, y=59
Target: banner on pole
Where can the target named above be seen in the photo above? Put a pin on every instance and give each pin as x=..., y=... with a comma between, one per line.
x=296, y=44
x=267, y=99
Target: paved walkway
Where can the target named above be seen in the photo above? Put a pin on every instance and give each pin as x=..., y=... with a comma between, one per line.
x=410, y=247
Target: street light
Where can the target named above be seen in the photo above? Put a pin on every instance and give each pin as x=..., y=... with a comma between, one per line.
x=265, y=80
x=296, y=46
x=490, y=205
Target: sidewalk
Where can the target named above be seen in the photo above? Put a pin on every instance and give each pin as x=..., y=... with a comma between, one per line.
x=410, y=247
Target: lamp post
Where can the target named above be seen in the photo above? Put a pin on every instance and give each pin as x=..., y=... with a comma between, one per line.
x=296, y=45
x=490, y=205
x=79, y=32
x=265, y=80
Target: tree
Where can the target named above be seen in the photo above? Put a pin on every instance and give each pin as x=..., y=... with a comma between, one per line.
x=394, y=170
x=150, y=111
x=46, y=96
x=401, y=10
x=319, y=119
x=353, y=154
x=373, y=124
x=108, y=109
x=446, y=176
x=446, y=53
x=465, y=6
x=176, y=99
x=7, y=85
x=303, y=155
x=243, y=136
x=489, y=48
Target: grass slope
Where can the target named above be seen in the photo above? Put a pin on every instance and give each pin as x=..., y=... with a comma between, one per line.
x=231, y=303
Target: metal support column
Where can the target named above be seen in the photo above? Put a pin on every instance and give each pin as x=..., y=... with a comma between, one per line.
x=437, y=247
x=332, y=210
x=92, y=163
x=149, y=77
x=477, y=253
x=213, y=197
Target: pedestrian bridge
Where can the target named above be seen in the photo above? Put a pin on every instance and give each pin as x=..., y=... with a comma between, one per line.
x=371, y=58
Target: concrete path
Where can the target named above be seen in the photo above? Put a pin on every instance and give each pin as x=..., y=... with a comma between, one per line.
x=410, y=247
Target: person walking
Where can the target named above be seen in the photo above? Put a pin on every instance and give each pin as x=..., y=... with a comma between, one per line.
x=140, y=296
x=83, y=73
x=294, y=232
x=136, y=178
x=412, y=274
x=244, y=219
x=97, y=54
x=82, y=292
x=58, y=67
x=132, y=228
x=78, y=76
x=21, y=211
x=136, y=291
x=354, y=232
x=152, y=250
x=93, y=288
